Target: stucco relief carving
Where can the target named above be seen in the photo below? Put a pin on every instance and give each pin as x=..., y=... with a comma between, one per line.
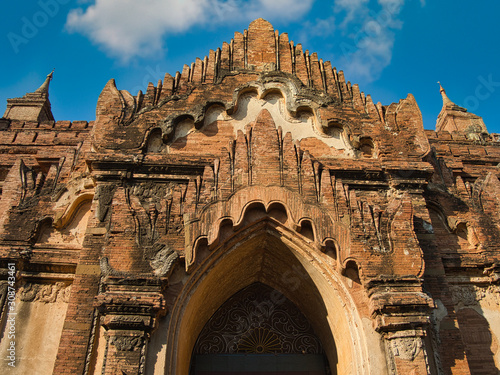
x=156, y=209
x=49, y=293
x=406, y=348
x=467, y=295
x=471, y=295
x=104, y=195
x=107, y=270
x=126, y=343
x=376, y=222
x=163, y=261
x=31, y=182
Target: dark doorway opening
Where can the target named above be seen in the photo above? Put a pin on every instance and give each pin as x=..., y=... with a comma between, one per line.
x=258, y=331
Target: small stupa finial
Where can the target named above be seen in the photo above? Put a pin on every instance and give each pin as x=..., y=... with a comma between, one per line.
x=44, y=88
x=446, y=100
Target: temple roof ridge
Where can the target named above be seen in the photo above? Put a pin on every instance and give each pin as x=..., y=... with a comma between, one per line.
x=262, y=49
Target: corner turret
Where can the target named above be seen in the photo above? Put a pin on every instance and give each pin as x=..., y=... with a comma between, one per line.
x=454, y=118
x=34, y=106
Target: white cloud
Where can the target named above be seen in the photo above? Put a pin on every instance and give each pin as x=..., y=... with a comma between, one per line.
x=353, y=8
x=368, y=49
x=322, y=27
x=393, y=6
x=350, y=5
x=319, y=29
x=127, y=28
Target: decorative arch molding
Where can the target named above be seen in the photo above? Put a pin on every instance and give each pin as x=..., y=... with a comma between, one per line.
x=66, y=230
x=63, y=219
x=136, y=121
x=206, y=225
x=296, y=100
x=283, y=98
x=289, y=263
x=288, y=86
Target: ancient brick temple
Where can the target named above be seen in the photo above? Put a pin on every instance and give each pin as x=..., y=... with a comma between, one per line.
x=254, y=214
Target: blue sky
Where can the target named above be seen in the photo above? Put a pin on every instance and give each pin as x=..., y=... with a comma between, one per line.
x=389, y=47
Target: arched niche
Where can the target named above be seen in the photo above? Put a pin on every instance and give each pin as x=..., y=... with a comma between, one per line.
x=367, y=147
x=273, y=255
x=154, y=142
x=69, y=230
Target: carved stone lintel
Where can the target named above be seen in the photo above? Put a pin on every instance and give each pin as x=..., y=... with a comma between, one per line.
x=122, y=299
x=129, y=322
x=162, y=263
x=49, y=293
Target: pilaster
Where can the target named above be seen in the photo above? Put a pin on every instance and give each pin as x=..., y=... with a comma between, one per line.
x=129, y=309
x=401, y=313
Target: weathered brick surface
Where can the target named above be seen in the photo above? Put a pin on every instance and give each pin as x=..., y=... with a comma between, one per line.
x=258, y=147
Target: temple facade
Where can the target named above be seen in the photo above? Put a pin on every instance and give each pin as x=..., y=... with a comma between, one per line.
x=255, y=214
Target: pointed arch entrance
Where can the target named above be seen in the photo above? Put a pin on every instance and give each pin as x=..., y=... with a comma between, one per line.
x=258, y=331
x=270, y=253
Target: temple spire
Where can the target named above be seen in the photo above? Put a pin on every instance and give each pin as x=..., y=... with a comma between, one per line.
x=44, y=88
x=454, y=118
x=34, y=106
x=447, y=103
x=446, y=100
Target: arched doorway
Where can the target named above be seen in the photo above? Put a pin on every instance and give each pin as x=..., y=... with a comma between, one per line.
x=267, y=252
x=258, y=331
